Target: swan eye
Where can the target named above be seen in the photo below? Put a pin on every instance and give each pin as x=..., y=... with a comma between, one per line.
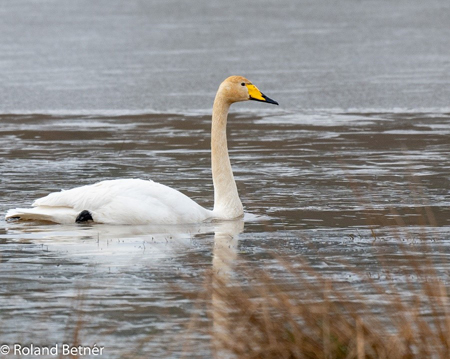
x=243, y=84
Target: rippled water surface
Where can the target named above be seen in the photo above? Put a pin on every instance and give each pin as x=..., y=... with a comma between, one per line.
x=340, y=190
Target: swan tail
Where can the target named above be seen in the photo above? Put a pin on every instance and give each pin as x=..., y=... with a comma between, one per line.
x=42, y=213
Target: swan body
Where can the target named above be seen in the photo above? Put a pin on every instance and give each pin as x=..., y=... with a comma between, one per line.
x=135, y=201
x=121, y=201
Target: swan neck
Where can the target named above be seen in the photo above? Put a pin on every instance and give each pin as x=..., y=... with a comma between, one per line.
x=227, y=204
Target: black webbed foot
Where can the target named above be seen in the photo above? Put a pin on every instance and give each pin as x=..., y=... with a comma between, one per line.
x=84, y=216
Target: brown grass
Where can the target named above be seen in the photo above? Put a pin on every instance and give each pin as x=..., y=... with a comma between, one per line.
x=256, y=315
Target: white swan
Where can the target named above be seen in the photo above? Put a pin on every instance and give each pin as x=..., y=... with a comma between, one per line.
x=135, y=201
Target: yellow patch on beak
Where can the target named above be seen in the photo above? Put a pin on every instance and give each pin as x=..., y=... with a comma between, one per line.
x=254, y=93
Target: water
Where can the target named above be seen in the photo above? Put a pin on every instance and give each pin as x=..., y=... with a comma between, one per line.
x=353, y=163
x=146, y=56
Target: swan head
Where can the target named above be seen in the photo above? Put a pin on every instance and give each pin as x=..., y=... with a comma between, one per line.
x=238, y=88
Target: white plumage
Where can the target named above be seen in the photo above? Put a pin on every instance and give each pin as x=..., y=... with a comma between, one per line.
x=122, y=201
x=135, y=201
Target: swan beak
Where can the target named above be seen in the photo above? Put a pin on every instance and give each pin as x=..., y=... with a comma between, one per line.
x=257, y=95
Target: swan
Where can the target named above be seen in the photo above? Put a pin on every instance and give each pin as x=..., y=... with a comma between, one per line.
x=136, y=201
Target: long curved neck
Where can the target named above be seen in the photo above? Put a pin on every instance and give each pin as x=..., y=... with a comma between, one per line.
x=227, y=204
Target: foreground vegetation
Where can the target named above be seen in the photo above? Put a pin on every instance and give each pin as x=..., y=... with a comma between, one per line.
x=260, y=315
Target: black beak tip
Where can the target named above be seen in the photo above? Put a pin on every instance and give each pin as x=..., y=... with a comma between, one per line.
x=266, y=100
x=269, y=100
x=274, y=102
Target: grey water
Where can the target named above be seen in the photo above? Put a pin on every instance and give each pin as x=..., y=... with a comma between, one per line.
x=153, y=56
x=354, y=161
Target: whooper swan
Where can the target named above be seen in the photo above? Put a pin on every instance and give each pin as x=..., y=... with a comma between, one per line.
x=135, y=201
